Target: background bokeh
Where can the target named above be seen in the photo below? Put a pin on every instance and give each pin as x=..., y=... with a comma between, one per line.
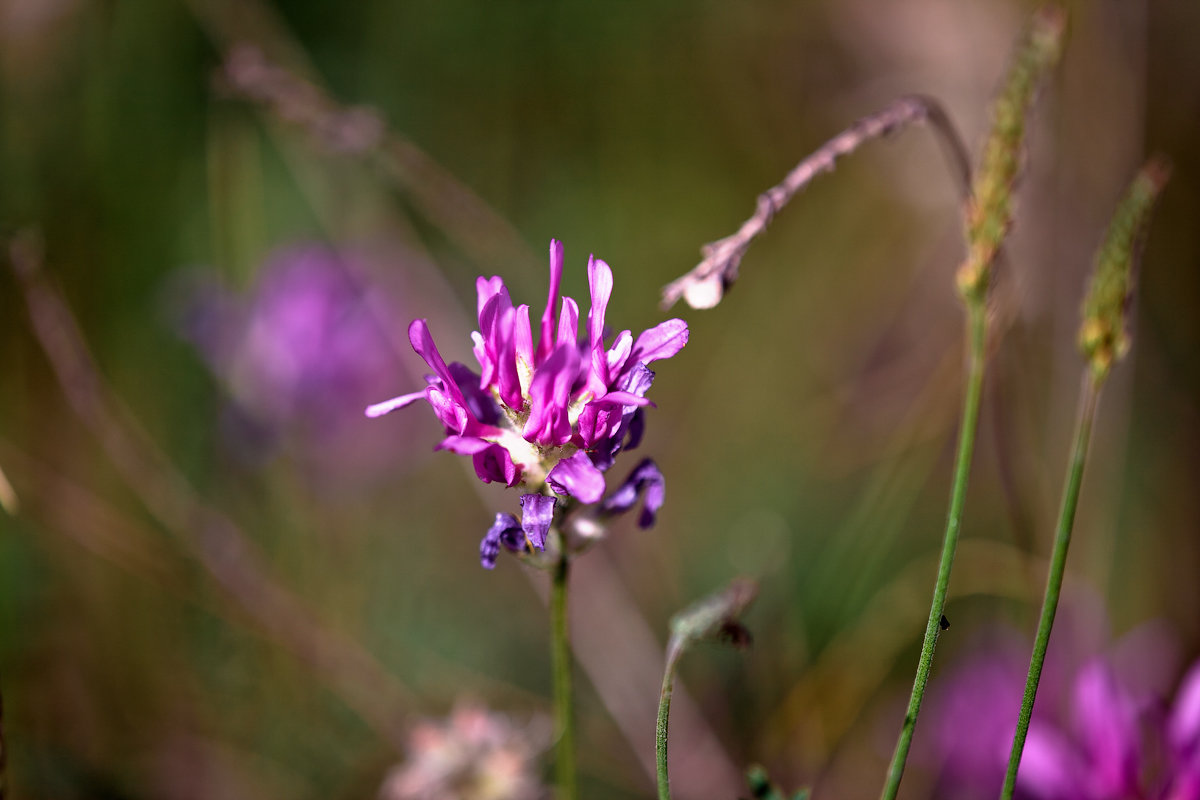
x=263, y=612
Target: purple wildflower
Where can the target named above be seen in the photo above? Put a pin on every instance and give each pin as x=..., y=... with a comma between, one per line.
x=1098, y=730
x=552, y=416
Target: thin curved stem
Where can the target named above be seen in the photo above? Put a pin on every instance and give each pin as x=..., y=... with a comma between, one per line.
x=1089, y=397
x=705, y=284
x=977, y=332
x=664, y=712
x=564, y=717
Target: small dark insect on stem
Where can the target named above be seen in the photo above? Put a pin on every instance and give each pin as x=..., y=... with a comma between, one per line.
x=704, y=286
x=944, y=623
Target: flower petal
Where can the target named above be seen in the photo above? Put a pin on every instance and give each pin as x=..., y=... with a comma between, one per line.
x=451, y=413
x=422, y=343
x=595, y=423
x=600, y=283
x=537, y=514
x=635, y=429
x=1183, y=726
x=523, y=335
x=1050, y=769
x=486, y=289
x=505, y=340
x=503, y=531
x=578, y=477
x=546, y=345
x=463, y=445
x=662, y=341
x=479, y=403
x=549, y=398
x=568, y=323
x=498, y=338
x=646, y=481
x=495, y=464
x=618, y=354
x=492, y=461
x=1107, y=723
x=388, y=406
x=624, y=399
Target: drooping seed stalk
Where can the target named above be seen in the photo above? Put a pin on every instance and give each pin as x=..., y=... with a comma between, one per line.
x=988, y=219
x=704, y=285
x=1103, y=339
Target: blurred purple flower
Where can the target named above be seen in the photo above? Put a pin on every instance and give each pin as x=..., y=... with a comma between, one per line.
x=551, y=417
x=1100, y=729
x=300, y=349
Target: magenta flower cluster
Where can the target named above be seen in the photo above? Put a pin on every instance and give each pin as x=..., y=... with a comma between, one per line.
x=1098, y=732
x=550, y=417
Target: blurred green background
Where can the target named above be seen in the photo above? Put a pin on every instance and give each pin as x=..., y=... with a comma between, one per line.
x=806, y=431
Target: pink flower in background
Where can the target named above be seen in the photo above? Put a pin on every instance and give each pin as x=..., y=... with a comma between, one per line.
x=473, y=754
x=1101, y=729
x=549, y=416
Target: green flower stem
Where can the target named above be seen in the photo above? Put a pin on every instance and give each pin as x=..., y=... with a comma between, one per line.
x=3, y=755
x=1090, y=394
x=977, y=332
x=564, y=717
x=664, y=711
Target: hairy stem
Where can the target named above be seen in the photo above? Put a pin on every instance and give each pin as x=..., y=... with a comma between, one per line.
x=1089, y=396
x=977, y=332
x=664, y=712
x=564, y=718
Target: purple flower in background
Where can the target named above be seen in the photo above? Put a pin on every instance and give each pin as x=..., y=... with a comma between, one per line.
x=1100, y=730
x=1183, y=739
x=311, y=332
x=551, y=415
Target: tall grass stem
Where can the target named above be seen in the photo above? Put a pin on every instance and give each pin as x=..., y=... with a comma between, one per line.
x=1089, y=396
x=977, y=336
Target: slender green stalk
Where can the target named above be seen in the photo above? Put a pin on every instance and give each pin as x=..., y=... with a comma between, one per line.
x=988, y=219
x=3, y=755
x=1103, y=339
x=1089, y=396
x=977, y=332
x=715, y=618
x=560, y=656
x=664, y=712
